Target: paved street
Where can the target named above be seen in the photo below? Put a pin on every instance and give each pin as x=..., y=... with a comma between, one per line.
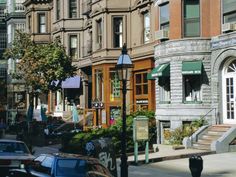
x=216, y=165
x=45, y=149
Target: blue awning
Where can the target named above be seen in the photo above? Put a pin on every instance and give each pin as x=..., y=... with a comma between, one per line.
x=72, y=82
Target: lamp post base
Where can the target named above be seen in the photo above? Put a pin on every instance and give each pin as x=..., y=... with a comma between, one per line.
x=124, y=166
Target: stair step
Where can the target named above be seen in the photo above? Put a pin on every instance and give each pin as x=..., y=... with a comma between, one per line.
x=222, y=126
x=219, y=133
x=210, y=137
x=204, y=141
x=219, y=129
x=201, y=146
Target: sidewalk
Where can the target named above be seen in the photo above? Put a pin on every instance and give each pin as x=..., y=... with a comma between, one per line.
x=166, y=152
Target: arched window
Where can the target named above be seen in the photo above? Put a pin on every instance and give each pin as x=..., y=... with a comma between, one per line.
x=232, y=67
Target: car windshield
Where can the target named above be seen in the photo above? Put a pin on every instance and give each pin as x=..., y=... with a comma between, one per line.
x=71, y=167
x=13, y=147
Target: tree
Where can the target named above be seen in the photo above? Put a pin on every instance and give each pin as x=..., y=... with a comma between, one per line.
x=40, y=64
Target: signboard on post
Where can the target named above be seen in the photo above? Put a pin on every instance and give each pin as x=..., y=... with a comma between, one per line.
x=141, y=133
x=141, y=128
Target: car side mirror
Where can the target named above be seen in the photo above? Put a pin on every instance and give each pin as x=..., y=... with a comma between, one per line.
x=33, y=152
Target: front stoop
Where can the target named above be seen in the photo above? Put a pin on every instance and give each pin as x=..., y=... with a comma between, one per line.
x=213, y=133
x=218, y=138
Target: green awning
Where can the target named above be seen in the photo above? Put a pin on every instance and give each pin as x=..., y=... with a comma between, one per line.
x=192, y=67
x=160, y=71
x=149, y=76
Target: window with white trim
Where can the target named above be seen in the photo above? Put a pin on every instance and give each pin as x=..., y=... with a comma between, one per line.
x=73, y=47
x=192, y=88
x=146, y=26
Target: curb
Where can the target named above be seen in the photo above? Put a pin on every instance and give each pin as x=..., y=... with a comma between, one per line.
x=160, y=159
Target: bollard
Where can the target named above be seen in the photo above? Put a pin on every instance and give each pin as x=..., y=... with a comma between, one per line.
x=195, y=165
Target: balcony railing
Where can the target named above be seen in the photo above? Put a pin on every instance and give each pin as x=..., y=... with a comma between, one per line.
x=86, y=7
x=19, y=7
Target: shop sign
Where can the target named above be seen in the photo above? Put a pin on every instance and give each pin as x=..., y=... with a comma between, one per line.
x=141, y=101
x=217, y=44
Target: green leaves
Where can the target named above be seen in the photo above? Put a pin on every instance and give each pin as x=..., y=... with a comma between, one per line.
x=40, y=64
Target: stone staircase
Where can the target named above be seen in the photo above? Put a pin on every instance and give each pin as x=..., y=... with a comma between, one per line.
x=212, y=133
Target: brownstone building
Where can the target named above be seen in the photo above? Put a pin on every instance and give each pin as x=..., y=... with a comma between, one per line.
x=93, y=32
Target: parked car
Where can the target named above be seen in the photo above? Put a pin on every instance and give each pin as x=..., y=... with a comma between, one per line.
x=13, y=154
x=68, y=127
x=62, y=165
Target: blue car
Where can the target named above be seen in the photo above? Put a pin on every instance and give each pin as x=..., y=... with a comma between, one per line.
x=62, y=165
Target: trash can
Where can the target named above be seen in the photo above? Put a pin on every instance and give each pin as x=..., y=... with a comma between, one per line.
x=196, y=165
x=103, y=150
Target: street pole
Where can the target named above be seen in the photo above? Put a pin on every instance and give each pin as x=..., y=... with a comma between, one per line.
x=97, y=124
x=124, y=165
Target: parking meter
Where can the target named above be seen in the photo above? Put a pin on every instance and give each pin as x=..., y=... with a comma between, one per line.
x=195, y=165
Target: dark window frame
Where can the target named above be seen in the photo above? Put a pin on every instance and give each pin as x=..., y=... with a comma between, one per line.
x=42, y=24
x=73, y=9
x=73, y=51
x=142, y=84
x=58, y=9
x=117, y=33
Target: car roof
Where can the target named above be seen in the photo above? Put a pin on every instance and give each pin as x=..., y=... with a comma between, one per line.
x=11, y=141
x=71, y=156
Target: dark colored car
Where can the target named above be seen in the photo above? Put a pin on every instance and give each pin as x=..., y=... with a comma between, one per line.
x=62, y=165
x=68, y=127
x=13, y=154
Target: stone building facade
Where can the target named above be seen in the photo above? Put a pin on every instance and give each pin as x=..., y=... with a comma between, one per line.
x=197, y=52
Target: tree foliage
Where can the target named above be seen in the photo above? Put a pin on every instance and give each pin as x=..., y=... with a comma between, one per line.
x=40, y=64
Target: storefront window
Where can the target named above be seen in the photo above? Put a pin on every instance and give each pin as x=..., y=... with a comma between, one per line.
x=192, y=88
x=99, y=84
x=115, y=113
x=164, y=83
x=115, y=85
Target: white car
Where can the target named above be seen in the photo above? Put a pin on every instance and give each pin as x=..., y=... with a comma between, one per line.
x=13, y=154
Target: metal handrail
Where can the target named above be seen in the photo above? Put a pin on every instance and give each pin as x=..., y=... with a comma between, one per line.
x=203, y=117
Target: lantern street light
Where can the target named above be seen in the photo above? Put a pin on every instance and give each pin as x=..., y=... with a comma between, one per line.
x=123, y=69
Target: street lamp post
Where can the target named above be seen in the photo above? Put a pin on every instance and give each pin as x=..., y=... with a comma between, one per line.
x=122, y=67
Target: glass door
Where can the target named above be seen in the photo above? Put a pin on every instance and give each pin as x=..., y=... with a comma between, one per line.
x=230, y=100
